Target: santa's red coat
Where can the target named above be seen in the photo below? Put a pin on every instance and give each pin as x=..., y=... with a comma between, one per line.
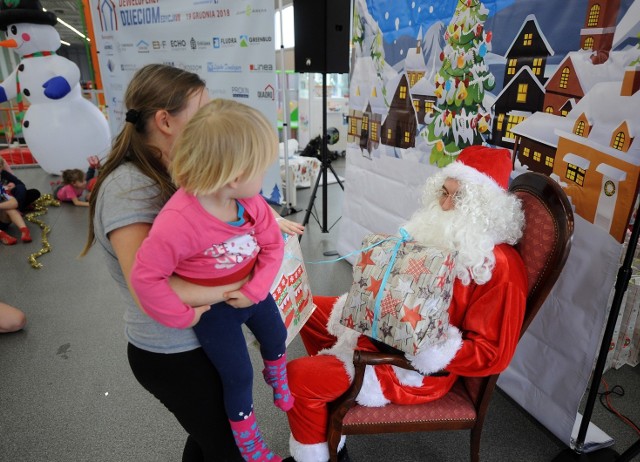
x=489, y=316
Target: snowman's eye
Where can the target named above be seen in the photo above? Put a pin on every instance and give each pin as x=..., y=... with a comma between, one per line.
x=14, y=30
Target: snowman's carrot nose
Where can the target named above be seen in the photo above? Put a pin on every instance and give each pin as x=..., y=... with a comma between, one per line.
x=9, y=43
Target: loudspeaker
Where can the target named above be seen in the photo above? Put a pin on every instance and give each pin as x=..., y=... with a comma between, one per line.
x=321, y=29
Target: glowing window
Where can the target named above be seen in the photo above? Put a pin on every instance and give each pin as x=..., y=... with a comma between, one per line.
x=588, y=43
x=594, y=15
x=511, y=69
x=564, y=77
x=537, y=156
x=428, y=107
x=549, y=109
x=512, y=122
x=580, y=128
x=548, y=161
x=526, y=152
x=353, y=123
x=407, y=137
x=522, y=92
x=575, y=174
x=389, y=133
x=403, y=92
x=500, y=121
x=416, y=105
x=528, y=38
x=618, y=142
x=537, y=66
x=374, y=131
x=365, y=123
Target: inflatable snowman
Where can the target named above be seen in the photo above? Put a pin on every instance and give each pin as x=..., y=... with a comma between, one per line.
x=60, y=127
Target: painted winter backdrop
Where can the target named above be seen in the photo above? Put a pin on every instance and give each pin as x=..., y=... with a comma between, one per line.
x=429, y=79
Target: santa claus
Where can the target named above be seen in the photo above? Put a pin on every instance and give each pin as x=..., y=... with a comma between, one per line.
x=466, y=208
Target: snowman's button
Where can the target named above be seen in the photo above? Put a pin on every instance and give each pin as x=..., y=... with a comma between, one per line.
x=25, y=124
x=21, y=67
x=27, y=92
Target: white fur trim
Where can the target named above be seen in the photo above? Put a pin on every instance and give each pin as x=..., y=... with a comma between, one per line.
x=466, y=174
x=318, y=452
x=407, y=377
x=371, y=392
x=437, y=357
x=347, y=338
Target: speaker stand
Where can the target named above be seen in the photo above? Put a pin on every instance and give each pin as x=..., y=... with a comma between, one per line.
x=323, y=174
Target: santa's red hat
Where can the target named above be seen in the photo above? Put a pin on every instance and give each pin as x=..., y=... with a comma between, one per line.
x=482, y=165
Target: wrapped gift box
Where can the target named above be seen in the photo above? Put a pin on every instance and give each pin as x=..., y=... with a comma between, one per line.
x=401, y=292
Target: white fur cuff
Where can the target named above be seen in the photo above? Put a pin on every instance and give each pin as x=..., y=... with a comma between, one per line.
x=318, y=452
x=437, y=357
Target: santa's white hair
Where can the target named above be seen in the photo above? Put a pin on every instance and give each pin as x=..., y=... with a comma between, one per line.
x=484, y=215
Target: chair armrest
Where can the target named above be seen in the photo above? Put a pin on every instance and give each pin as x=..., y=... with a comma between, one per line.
x=373, y=358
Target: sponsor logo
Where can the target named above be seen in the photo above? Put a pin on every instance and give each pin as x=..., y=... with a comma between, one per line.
x=107, y=16
x=267, y=93
x=143, y=46
x=110, y=65
x=249, y=10
x=260, y=67
x=169, y=63
x=249, y=40
x=128, y=67
x=222, y=42
x=124, y=46
x=240, y=92
x=223, y=67
x=178, y=45
x=159, y=44
x=195, y=68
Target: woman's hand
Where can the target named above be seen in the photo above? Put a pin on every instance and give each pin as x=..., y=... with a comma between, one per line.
x=237, y=299
x=199, y=311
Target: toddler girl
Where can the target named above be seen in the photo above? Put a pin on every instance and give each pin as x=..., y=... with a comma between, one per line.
x=72, y=188
x=217, y=229
x=9, y=213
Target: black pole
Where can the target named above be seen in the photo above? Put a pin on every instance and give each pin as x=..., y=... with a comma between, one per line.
x=622, y=283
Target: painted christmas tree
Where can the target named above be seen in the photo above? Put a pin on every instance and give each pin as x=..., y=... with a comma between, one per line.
x=460, y=118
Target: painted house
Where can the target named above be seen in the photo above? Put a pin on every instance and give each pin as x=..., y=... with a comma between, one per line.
x=599, y=28
x=414, y=64
x=518, y=100
x=424, y=100
x=599, y=160
x=365, y=93
x=536, y=142
x=531, y=48
x=400, y=126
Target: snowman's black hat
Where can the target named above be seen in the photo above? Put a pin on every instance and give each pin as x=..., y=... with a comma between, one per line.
x=24, y=11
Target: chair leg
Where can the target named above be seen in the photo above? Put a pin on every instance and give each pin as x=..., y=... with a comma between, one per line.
x=474, y=445
x=333, y=440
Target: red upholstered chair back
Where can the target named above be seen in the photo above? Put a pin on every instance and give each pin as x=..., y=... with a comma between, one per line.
x=546, y=239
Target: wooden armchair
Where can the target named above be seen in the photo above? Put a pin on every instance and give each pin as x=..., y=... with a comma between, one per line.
x=544, y=248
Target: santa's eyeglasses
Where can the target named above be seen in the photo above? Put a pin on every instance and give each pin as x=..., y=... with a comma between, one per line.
x=443, y=194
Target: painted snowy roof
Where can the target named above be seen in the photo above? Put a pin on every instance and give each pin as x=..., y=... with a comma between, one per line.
x=424, y=87
x=414, y=61
x=531, y=17
x=541, y=126
x=526, y=69
x=606, y=110
x=590, y=74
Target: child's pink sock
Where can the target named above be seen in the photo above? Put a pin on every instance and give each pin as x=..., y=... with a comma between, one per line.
x=275, y=374
x=250, y=442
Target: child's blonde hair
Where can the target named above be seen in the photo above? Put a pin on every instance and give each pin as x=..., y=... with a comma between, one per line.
x=72, y=175
x=224, y=140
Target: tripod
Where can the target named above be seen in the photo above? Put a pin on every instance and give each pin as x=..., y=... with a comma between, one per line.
x=326, y=164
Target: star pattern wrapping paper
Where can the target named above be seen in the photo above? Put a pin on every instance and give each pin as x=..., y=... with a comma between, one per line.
x=415, y=298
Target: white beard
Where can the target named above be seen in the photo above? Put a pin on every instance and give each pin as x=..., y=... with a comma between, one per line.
x=453, y=230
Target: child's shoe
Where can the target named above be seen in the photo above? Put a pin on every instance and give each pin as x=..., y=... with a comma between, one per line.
x=6, y=239
x=26, y=235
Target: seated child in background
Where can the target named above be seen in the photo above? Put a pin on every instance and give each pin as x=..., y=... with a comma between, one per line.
x=9, y=213
x=73, y=186
x=15, y=187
